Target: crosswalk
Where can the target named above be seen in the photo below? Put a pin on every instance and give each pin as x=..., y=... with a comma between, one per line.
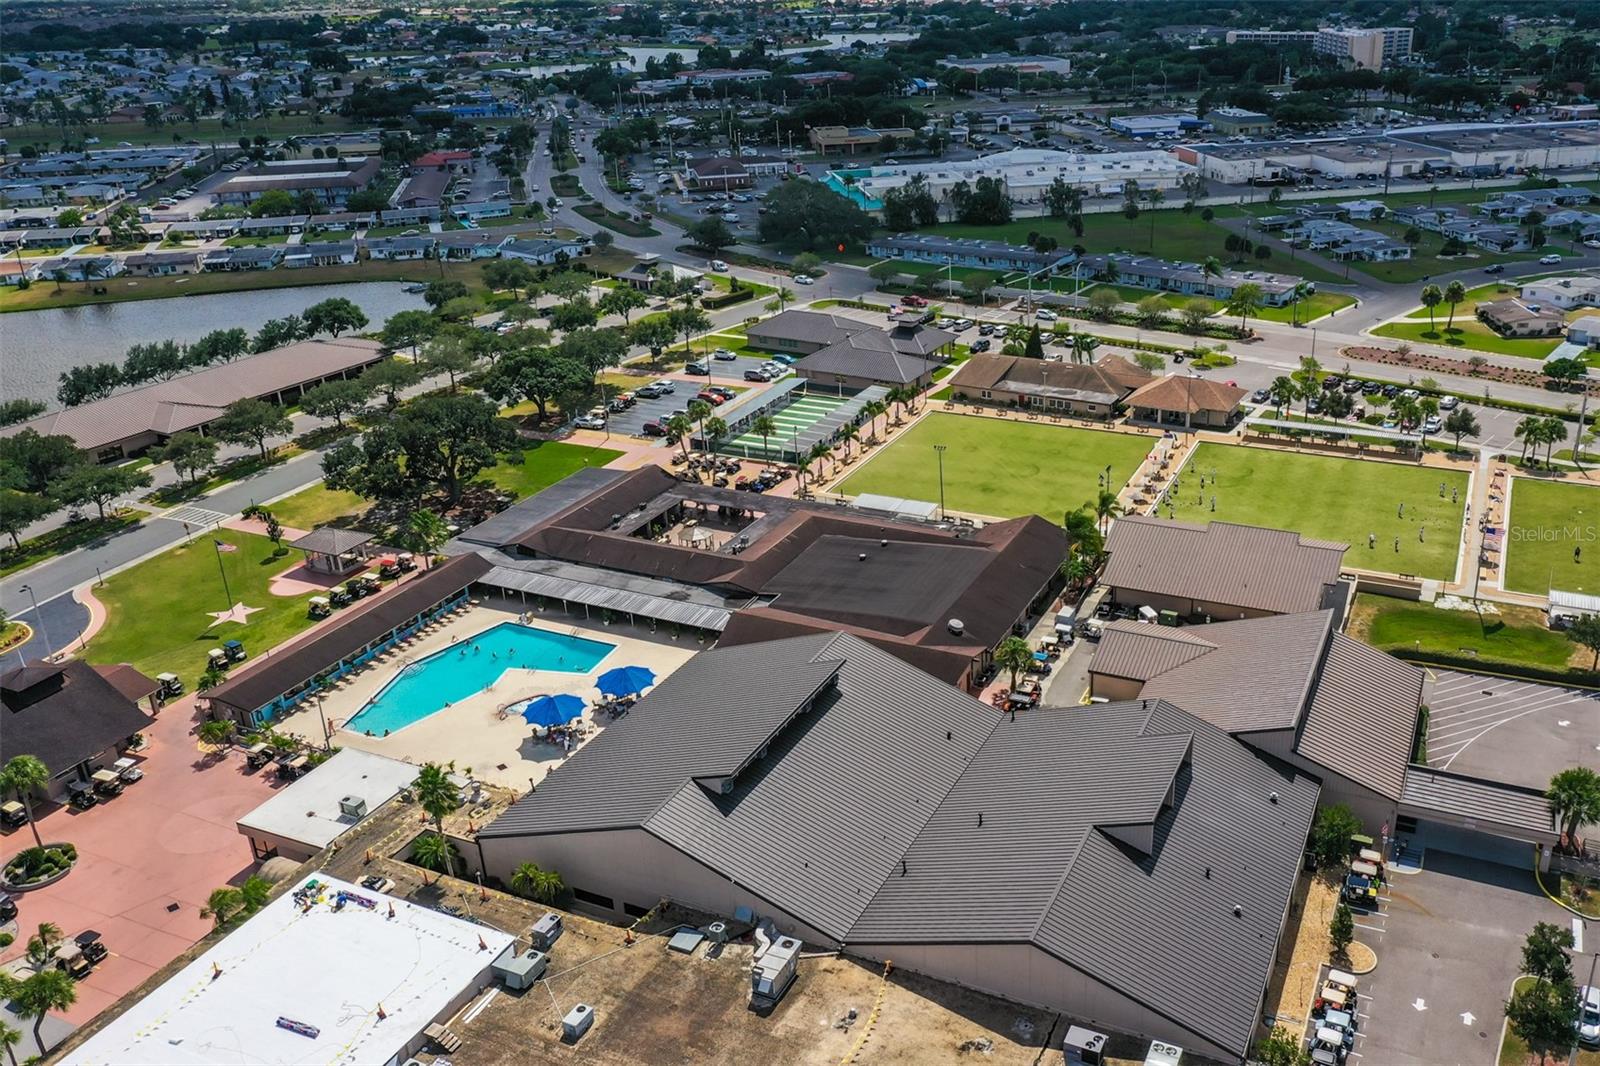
x=195, y=516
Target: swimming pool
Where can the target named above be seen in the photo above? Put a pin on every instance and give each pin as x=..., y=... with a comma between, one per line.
x=467, y=668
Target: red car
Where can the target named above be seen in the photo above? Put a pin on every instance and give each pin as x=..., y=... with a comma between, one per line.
x=715, y=399
x=913, y=301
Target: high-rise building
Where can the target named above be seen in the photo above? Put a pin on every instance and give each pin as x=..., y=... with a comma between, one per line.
x=1372, y=49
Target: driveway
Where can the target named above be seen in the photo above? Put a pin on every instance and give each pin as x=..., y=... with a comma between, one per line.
x=147, y=859
x=1452, y=948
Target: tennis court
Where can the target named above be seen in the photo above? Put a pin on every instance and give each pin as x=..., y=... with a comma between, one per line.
x=793, y=421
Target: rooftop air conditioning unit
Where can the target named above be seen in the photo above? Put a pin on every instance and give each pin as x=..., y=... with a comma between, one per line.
x=353, y=807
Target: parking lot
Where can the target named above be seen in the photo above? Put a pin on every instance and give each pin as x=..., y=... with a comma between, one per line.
x=1513, y=731
x=1449, y=950
x=723, y=372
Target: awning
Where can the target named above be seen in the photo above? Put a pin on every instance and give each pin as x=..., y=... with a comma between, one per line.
x=638, y=604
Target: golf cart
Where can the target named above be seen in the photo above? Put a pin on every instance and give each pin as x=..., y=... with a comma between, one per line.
x=1333, y=998
x=339, y=596
x=71, y=960
x=319, y=607
x=1362, y=891
x=1344, y=1021
x=107, y=782
x=89, y=943
x=218, y=658
x=406, y=562
x=128, y=770
x=293, y=766
x=13, y=814
x=81, y=795
x=1330, y=1040
x=366, y=584
x=234, y=650
x=258, y=755
x=8, y=907
x=1321, y=1056
x=388, y=567
x=1026, y=694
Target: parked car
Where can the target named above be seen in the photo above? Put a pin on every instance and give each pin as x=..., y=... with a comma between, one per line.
x=697, y=367
x=647, y=392
x=723, y=354
x=1589, y=1015
x=1260, y=396
x=1549, y=260
x=1044, y=314
x=719, y=266
x=757, y=375
x=590, y=421
x=1432, y=424
x=1449, y=403
x=804, y=279
x=665, y=386
x=986, y=329
x=715, y=399
x=786, y=360
x=982, y=344
x=653, y=429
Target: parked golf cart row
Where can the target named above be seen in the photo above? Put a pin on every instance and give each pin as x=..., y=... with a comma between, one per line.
x=1366, y=876
x=103, y=784
x=78, y=958
x=1334, y=1023
x=390, y=568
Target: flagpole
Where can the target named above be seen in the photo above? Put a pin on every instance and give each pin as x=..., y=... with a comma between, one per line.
x=216, y=546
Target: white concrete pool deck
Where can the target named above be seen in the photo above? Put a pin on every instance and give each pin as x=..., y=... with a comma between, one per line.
x=470, y=733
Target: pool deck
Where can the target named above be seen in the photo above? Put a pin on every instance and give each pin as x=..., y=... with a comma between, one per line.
x=471, y=733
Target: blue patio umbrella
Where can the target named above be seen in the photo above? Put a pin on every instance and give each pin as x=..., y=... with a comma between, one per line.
x=547, y=711
x=625, y=680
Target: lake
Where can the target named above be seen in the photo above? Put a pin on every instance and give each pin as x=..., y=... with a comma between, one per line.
x=36, y=346
x=637, y=56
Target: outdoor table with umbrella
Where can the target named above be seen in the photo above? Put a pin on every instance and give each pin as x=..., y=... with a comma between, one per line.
x=548, y=711
x=625, y=680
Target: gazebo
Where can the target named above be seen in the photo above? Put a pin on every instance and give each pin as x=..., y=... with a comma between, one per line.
x=334, y=551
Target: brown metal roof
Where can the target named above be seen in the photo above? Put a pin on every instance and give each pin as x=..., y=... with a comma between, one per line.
x=1363, y=718
x=128, y=681
x=193, y=400
x=1243, y=566
x=1095, y=383
x=1139, y=652
x=1184, y=394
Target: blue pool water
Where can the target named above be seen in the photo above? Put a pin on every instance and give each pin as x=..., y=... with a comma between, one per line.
x=467, y=668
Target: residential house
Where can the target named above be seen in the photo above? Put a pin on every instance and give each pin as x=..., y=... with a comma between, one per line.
x=1577, y=290
x=162, y=264
x=1585, y=331
x=545, y=252
x=320, y=254
x=481, y=209
x=243, y=258
x=1160, y=275
x=1514, y=318
x=399, y=247
x=470, y=244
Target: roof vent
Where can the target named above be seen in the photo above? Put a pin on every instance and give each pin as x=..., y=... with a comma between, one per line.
x=883, y=543
x=956, y=626
x=1238, y=911
x=1273, y=797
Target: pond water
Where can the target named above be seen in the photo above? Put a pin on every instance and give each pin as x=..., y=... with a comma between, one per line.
x=36, y=346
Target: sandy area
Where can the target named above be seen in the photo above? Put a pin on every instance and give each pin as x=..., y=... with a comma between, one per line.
x=471, y=733
x=1302, y=951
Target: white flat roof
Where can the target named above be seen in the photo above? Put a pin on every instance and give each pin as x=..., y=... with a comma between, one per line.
x=308, y=810
x=324, y=968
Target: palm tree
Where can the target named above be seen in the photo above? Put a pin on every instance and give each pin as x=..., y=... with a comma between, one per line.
x=1083, y=346
x=1083, y=533
x=1154, y=197
x=1283, y=392
x=847, y=437
x=25, y=774
x=1574, y=798
x=1296, y=294
x=784, y=296
x=699, y=411
x=9, y=1037
x=679, y=426
x=1014, y=656
x=433, y=852
x=897, y=396
x=1454, y=293
x=542, y=885
x=1432, y=296
x=713, y=432
x=42, y=944
x=425, y=531
x=1106, y=508
x=42, y=992
x=872, y=409
x=223, y=905
x=438, y=796
x=1211, y=268
x=821, y=453
x=1527, y=430
x=217, y=732
x=1245, y=301
x=765, y=426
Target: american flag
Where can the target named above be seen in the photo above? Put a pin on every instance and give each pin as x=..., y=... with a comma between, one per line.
x=224, y=546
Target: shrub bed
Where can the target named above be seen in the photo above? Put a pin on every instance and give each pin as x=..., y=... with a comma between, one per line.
x=724, y=299
x=36, y=867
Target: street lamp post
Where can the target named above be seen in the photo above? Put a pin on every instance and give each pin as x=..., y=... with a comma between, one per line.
x=939, y=451
x=49, y=652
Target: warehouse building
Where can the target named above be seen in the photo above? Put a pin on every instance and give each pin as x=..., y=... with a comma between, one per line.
x=330, y=180
x=1026, y=172
x=1105, y=864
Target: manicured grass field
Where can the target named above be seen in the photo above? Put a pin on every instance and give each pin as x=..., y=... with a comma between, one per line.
x=317, y=506
x=999, y=468
x=157, y=611
x=543, y=464
x=1331, y=498
x=1471, y=334
x=1547, y=520
x=1514, y=637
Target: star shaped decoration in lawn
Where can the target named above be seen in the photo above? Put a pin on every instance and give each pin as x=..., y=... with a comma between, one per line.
x=237, y=613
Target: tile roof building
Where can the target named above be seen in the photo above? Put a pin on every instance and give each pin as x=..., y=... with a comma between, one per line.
x=1107, y=863
x=73, y=717
x=1188, y=401
x=132, y=421
x=1091, y=391
x=1220, y=570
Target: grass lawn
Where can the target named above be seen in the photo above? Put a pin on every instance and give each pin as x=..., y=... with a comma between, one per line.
x=999, y=468
x=1313, y=307
x=256, y=242
x=566, y=185
x=1276, y=489
x=543, y=464
x=1517, y=636
x=319, y=506
x=1548, y=519
x=158, y=611
x=1173, y=235
x=613, y=221
x=204, y=132
x=1472, y=334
